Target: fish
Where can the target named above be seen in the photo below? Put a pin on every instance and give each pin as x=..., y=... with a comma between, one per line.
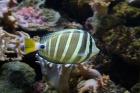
x=69, y=46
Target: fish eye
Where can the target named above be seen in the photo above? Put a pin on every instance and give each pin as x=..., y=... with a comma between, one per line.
x=42, y=46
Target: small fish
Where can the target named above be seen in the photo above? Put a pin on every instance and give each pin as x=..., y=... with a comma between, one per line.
x=69, y=46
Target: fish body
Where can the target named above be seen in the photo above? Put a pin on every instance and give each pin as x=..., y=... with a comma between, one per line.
x=69, y=46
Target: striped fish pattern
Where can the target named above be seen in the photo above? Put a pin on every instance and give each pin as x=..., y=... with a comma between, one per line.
x=70, y=46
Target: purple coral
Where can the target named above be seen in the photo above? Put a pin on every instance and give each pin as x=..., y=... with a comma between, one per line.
x=30, y=16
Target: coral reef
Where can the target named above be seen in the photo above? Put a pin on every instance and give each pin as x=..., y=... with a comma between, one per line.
x=135, y=3
x=16, y=77
x=35, y=18
x=99, y=9
x=35, y=3
x=129, y=13
x=136, y=88
x=91, y=86
x=5, y=5
x=124, y=42
x=10, y=43
x=115, y=25
x=40, y=87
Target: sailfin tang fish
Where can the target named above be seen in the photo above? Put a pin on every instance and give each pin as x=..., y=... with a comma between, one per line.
x=69, y=46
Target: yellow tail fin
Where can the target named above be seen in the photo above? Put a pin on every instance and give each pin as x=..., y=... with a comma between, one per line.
x=30, y=46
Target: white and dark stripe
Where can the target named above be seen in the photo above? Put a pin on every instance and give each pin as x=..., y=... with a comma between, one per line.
x=66, y=47
x=86, y=49
x=57, y=44
x=69, y=46
x=78, y=47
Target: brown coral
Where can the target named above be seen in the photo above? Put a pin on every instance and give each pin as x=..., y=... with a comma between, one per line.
x=10, y=43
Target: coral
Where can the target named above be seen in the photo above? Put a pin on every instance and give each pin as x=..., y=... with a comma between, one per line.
x=6, y=88
x=124, y=42
x=93, y=86
x=29, y=16
x=9, y=21
x=72, y=25
x=136, y=88
x=17, y=77
x=100, y=7
x=94, y=81
x=128, y=13
x=78, y=10
x=125, y=10
x=135, y=3
x=111, y=87
x=5, y=5
x=36, y=18
x=51, y=16
x=35, y=3
x=100, y=10
x=40, y=87
x=88, y=85
x=10, y=43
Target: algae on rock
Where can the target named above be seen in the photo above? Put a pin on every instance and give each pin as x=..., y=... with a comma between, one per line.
x=16, y=76
x=123, y=41
x=128, y=13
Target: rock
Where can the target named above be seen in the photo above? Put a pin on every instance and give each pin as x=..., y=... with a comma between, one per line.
x=78, y=10
x=16, y=76
x=112, y=88
x=91, y=85
x=130, y=14
x=124, y=42
x=6, y=88
x=136, y=88
x=135, y=3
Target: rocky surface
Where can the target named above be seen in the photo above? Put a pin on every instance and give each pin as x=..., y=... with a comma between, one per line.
x=135, y=3
x=16, y=77
x=130, y=14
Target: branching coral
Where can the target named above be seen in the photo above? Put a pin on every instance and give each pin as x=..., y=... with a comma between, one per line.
x=10, y=43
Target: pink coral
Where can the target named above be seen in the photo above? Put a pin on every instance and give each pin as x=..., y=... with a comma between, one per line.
x=30, y=16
